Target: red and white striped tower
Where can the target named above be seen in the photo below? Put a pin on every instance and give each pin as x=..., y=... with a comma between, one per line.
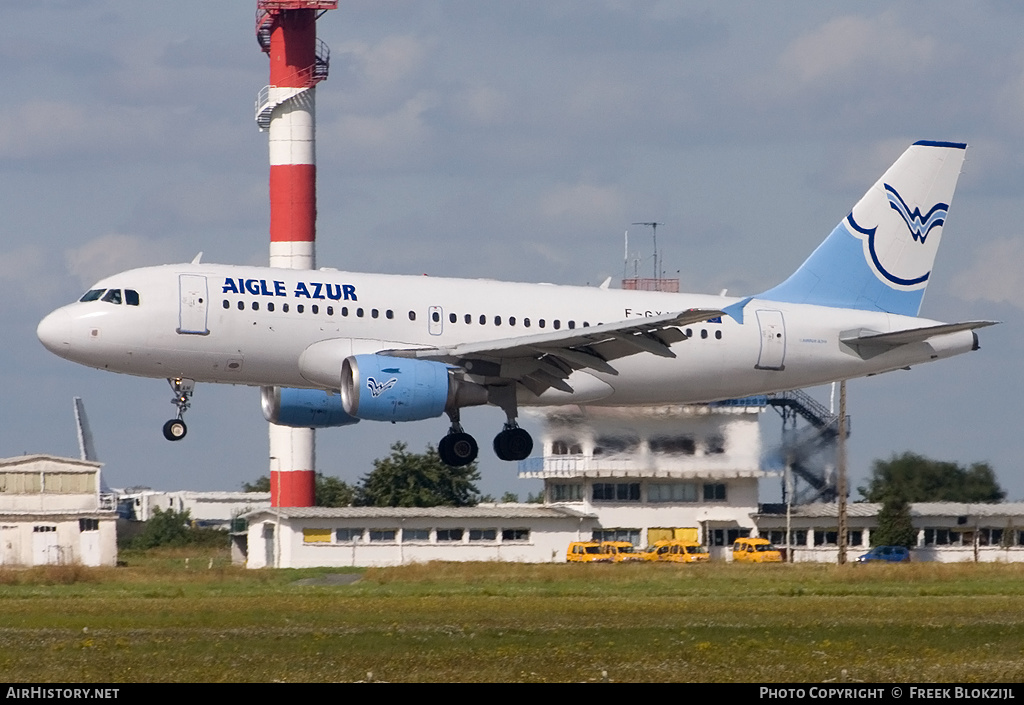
x=286, y=30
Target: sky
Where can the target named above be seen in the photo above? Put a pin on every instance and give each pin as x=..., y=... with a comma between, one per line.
x=511, y=141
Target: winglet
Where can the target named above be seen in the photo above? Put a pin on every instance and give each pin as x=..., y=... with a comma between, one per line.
x=735, y=311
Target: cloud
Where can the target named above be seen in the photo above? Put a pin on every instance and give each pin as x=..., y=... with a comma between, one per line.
x=110, y=254
x=995, y=275
x=845, y=46
x=584, y=204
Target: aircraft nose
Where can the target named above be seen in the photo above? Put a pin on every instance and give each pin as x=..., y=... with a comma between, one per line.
x=54, y=332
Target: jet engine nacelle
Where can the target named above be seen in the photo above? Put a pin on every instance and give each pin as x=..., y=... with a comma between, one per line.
x=382, y=388
x=303, y=408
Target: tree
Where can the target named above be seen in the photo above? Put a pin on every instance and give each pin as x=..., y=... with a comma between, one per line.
x=328, y=491
x=894, y=525
x=417, y=480
x=168, y=528
x=914, y=478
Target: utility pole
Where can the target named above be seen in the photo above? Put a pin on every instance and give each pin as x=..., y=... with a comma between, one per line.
x=841, y=469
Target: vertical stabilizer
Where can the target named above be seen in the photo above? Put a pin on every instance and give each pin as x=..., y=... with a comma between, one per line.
x=880, y=257
x=86, y=447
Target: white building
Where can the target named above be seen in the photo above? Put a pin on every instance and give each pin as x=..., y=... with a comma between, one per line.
x=208, y=509
x=52, y=512
x=643, y=471
x=948, y=532
x=303, y=537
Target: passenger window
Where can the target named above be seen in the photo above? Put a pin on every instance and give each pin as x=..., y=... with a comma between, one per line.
x=92, y=294
x=131, y=297
x=497, y=320
x=389, y=314
x=526, y=322
x=255, y=305
x=452, y=317
x=511, y=320
x=314, y=308
x=300, y=308
x=540, y=323
x=556, y=324
x=241, y=306
x=469, y=319
x=270, y=306
x=330, y=310
x=344, y=310
x=359, y=313
x=718, y=335
x=412, y=315
x=703, y=334
x=572, y=324
x=113, y=296
x=227, y=304
x=483, y=319
x=435, y=316
x=374, y=313
x=284, y=307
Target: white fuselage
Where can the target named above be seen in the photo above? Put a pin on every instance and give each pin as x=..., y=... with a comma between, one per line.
x=251, y=325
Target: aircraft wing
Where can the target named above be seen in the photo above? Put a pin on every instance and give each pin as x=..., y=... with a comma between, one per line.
x=867, y=344
x=546, y=360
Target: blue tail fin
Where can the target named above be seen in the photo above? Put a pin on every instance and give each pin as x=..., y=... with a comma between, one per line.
x=879, y=258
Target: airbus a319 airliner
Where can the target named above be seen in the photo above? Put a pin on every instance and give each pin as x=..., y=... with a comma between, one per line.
x=331, y=348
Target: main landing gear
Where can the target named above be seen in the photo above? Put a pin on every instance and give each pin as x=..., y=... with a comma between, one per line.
x=175, y=429
x=458, y=448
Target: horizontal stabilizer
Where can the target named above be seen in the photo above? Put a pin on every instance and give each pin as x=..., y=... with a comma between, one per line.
x=867, y=344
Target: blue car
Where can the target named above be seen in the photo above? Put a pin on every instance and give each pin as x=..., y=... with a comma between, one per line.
x=888, y=554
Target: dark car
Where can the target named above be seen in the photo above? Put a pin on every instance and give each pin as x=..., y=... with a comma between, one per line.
x=888, y=554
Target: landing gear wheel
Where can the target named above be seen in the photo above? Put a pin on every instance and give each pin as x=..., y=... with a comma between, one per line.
x=175, y=430
x=457, y=449
x=513, y=444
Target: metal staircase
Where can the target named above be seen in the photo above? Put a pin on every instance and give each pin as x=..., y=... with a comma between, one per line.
x=809, y=451
x=303, y=79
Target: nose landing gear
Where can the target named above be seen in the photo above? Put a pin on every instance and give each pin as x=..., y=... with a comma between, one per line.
x=175, y=429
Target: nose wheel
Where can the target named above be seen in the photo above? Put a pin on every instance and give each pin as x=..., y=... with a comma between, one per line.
x=175, y=429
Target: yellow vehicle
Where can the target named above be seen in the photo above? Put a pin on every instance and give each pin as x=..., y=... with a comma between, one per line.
x=621, y=551
x=587, y=552
x=677, y=551
x=755, y=551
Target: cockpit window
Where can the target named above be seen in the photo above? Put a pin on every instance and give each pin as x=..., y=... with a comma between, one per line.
x=131, y=297
x=113, y=296
x=92, y=294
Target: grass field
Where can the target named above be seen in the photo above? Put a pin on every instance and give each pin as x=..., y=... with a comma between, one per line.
x=157, y=619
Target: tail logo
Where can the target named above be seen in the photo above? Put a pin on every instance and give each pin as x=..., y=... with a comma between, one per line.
x=918, y=224
x=377, y=388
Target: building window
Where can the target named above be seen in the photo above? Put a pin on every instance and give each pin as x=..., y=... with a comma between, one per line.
x=615, y=444
x=383, y=535
x=777, y=537
x=726, y=537
x=714, y=492
x=508, y=535
x=567, y=493
x=798, y=537
x=828, y=537
x=483, y=534
x=43, y=528
x=617, y=492
x=681, y=445
x=855, y=538
x=714, y=445
x=88, y=524
x=316, y=535
x=672, y=492
x=941, y=537
x=449, y=534
x=415, y=535
x=348, y=535
x=631, y=535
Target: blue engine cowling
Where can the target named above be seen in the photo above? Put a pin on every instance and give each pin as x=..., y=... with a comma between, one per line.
x=304, y=408
x=382, y=388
